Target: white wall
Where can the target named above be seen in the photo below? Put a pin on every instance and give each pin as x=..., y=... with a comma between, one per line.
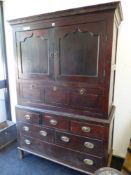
x=21, y=8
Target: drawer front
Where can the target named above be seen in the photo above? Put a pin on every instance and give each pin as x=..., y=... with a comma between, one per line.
x=56, y=96
x=30, y=92
x=74, y=98
x=82, y=144
x=28, y=117
x=55, y=121
x=88, y=130
x=39, y=132
x=70, y=158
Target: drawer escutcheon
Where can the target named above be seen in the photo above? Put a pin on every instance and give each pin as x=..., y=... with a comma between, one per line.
x=53, y=122
x=65, y=139
x=27, y=117
x=43, y=133
x=89, y=145
x=26, y=128
x=27, y=142
x=86, y=129
x=88, y=162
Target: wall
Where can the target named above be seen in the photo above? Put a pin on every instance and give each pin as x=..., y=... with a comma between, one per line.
x=122, y=132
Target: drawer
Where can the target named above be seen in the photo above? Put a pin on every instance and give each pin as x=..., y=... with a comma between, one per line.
x=82, y=98
x=65, y=156
x=74, y=98
x=28, y=117
x=31, y=93
x=39, y=132
x=55, y=121
x=56, y=96
x=82, y=144
x=86, y=129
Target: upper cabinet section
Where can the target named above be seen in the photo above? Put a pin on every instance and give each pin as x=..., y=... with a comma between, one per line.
x=71, y=45
x=66, y=59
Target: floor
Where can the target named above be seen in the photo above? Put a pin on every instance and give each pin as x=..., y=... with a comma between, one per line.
x=32, y=165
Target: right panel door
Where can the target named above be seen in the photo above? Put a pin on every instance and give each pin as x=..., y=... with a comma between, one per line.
x=79, y=52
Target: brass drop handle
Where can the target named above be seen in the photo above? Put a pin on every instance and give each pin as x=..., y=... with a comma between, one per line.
x=65, y=139
x=27, y=117
x=82, y=91
x=86, y=129
x=43, y=133
x=88, y=162
x=26, y=128
x=53, y=122
x=27, y=142
x=89, y=145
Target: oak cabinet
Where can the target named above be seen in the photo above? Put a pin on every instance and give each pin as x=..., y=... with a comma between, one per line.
x=65, y=72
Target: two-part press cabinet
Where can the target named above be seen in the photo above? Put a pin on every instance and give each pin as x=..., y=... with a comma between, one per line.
x=65, y=71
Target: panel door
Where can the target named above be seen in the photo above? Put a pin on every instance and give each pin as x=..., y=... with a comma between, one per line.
x=79, y=52
x=34, y=54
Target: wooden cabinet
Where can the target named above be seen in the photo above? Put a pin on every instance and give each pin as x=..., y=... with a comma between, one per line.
x=65, y=84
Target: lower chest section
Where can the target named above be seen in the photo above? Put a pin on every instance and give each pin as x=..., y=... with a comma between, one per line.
x=79, y=144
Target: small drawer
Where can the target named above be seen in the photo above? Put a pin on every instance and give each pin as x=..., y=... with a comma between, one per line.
x=28, y=117
x=88, y=130
x=42, y=133
x=31, y=93
x=55, y=121
x=78, y=143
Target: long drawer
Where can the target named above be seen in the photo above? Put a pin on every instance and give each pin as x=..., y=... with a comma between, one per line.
x=68, y=157
x=78, y=143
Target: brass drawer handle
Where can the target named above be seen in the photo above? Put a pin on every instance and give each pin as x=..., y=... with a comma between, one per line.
x=43, y=133
x=82, y=91
x=27, y=117
x=53, y=122
x=27, y=142
x=88, y=162
x=26, y=128
x=89, y=145
x=65, y=139
x=86, y=129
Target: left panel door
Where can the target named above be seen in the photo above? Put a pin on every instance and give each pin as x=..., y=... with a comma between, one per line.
x=34, y=53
